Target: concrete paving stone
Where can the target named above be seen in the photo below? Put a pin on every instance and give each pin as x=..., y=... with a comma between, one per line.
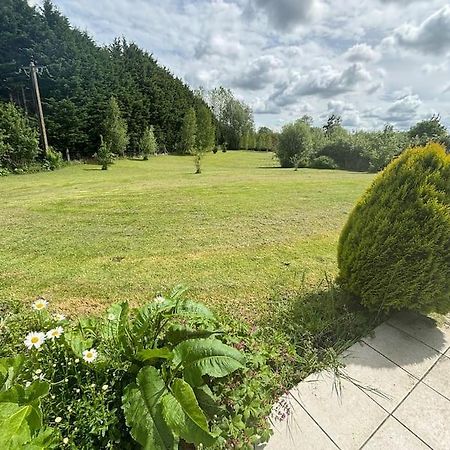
x=380, y=378
x=404, y=350
x=393, y=434
x=439, y=377
x=341, y=409
x=299, y=431
x=424, y=328
x=427, y=414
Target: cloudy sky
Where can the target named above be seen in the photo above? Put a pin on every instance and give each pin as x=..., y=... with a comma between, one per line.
x=371, y=61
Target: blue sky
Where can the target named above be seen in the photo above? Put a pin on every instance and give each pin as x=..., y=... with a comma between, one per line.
x=371, y=61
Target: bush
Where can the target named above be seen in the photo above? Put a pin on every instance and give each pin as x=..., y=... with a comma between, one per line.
x=323, y=162
x=167, y=373
x=394, y=250
x=19, y=144
x=53, y=159
x=295, y=144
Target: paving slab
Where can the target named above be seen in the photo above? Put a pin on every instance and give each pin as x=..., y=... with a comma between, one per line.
x=299, y=431
x=402, y=349
x=381, y=379
x=424, y=329
x=392, y=434
x=341, y=409
x=427, y=414
x=439, y=377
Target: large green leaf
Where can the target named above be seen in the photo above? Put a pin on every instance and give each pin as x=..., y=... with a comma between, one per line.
x=116, y=325
x=207, y=357
x=143, y=411
x=150, y=354
x=47, y=438
x=14, y=427
x=183, y=414
x=77, y=342
x=9, y=370
x=191, y=308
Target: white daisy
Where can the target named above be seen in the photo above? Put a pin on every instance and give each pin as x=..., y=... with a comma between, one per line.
x=34, y=339
x=58, y=419
x=55, y=333
x=159, y=299
x=90, y=355
x=40, y=304
x=59, y=317
x=65, y=440
x=105, y=387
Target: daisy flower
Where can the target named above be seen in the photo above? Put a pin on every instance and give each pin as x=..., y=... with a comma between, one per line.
x=34, y=339
x=55, y=333
x=159, y=299
x=40, y=304
x=90, y=355
x=59, y=317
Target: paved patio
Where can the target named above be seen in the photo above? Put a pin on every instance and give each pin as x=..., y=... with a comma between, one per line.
x=395, y=394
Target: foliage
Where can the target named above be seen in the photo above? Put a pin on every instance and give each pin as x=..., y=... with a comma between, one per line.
x=148, y=144
x=205, y=135
x=323, y=162
x=234, y=118
x=393, y=251
x=166, y=373
x=20, y=410
x=115, y=129
x=294, y=144
x=104, y=155
x=53, y=159
x=430, y=130
x=19, y=145
x=82, y=77
x=189, y=132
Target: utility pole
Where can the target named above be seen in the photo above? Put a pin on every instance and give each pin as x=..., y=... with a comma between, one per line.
x=40, y=112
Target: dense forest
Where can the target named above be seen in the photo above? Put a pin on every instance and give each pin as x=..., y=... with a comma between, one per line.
x=79, y=77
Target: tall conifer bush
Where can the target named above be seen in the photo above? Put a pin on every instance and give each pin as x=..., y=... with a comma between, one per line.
x=394, y=252
x=115, y=129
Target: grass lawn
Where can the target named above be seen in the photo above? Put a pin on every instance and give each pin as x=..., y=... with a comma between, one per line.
x=235, y=235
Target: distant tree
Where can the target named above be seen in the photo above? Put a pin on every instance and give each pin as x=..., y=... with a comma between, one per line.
x=233, y=116
x=429, y=130
x=333, y=122
x=206, y=133
x=295, y=144
x=115, y=129
x=148, y=143
x=189, y=132
x=104, y=155
x=19, y=144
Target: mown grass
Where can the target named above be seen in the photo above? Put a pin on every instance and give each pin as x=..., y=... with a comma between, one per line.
x=237, y=234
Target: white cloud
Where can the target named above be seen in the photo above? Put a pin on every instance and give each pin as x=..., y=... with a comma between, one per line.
x=361, y=53
x=431, y=36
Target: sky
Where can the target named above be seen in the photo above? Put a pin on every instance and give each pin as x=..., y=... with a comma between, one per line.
x=370, y=61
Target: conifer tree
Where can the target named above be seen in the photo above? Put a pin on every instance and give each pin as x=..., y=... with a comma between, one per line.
x=104, y=155
x=148, y=144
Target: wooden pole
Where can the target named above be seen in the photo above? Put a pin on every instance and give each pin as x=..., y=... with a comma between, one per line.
x=40, y=112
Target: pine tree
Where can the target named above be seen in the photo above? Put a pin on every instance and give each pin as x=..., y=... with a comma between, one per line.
x=148, y=143
x=189, y=132
x=116, y=137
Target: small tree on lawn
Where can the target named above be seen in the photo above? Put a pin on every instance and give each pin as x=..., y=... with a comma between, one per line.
x=148, y=144
x=189, y=132
x=104, y=155
x=115, y=129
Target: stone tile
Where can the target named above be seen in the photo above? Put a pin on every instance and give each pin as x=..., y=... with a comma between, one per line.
x=404, y=350
x=380, y=378
x=393, y=434
x=427, y=414
x=439, y=376
x=341, y=409
x=298, y=431
x=423, y=328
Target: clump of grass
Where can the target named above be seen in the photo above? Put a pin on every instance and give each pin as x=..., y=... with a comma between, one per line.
x=319, y=324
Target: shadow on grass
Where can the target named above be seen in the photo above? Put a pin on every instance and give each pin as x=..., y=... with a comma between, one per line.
x=92, y=168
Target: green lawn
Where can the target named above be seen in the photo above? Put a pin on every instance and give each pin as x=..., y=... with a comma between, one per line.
x=235, y=234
